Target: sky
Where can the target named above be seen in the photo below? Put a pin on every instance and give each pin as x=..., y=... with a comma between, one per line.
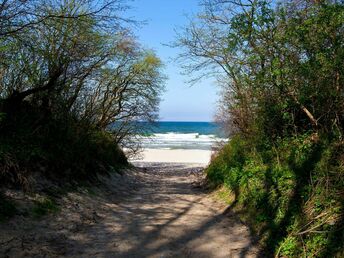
x=180, y=101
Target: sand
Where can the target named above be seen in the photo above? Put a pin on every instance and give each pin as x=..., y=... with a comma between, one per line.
x=175, y=156
x=155, y=210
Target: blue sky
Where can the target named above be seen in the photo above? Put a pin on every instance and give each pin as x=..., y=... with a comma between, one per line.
x=181, y=102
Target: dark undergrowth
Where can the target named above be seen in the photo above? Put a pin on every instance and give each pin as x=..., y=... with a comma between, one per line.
x=66, y=151
x=7, y=208
x=290, y=192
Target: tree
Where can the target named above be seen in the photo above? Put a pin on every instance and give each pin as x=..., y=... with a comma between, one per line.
x=280, y=65
x=77, y=59
x=125, y=92
x=267, y=58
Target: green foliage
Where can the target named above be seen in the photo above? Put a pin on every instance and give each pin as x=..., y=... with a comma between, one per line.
x=289, y=247
x=281, y=69
x=291, y=199
x=70, y=72
x=231, y=156
x=62, y=149
x=44, y=206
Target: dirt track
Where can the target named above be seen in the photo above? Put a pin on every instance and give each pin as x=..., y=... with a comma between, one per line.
x=156, y=211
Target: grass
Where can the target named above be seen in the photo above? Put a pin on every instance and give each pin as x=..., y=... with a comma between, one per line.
x=44, y=206
x=60, y=148
x=289, y=193
x=224, y=195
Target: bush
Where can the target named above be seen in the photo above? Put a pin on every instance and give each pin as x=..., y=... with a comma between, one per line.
x=291, y=195
x=231, y=156
x=58, y=148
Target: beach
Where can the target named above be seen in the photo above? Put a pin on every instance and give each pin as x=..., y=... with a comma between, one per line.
x=159, y=207
x=193, y=156
x=154, y=210
x=180, y=142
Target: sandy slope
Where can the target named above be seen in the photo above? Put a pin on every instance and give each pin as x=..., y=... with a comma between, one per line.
x=155, y=211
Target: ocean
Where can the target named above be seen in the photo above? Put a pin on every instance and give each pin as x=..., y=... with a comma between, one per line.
x=183, y=135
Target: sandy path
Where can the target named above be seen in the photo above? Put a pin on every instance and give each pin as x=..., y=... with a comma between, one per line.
x=163, y=214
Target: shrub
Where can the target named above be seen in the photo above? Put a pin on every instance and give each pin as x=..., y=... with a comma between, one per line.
x=58, y=148
x=293, y=199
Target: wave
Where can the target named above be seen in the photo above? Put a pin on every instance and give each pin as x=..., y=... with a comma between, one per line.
x=174, y=140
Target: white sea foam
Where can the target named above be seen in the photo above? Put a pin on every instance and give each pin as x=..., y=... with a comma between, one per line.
x=181, y=141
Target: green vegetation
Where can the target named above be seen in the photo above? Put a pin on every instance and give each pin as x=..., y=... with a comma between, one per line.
x=281, y=68
x=289, y=194
x=44, y=206
x=61, y=149
x=73, y=81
